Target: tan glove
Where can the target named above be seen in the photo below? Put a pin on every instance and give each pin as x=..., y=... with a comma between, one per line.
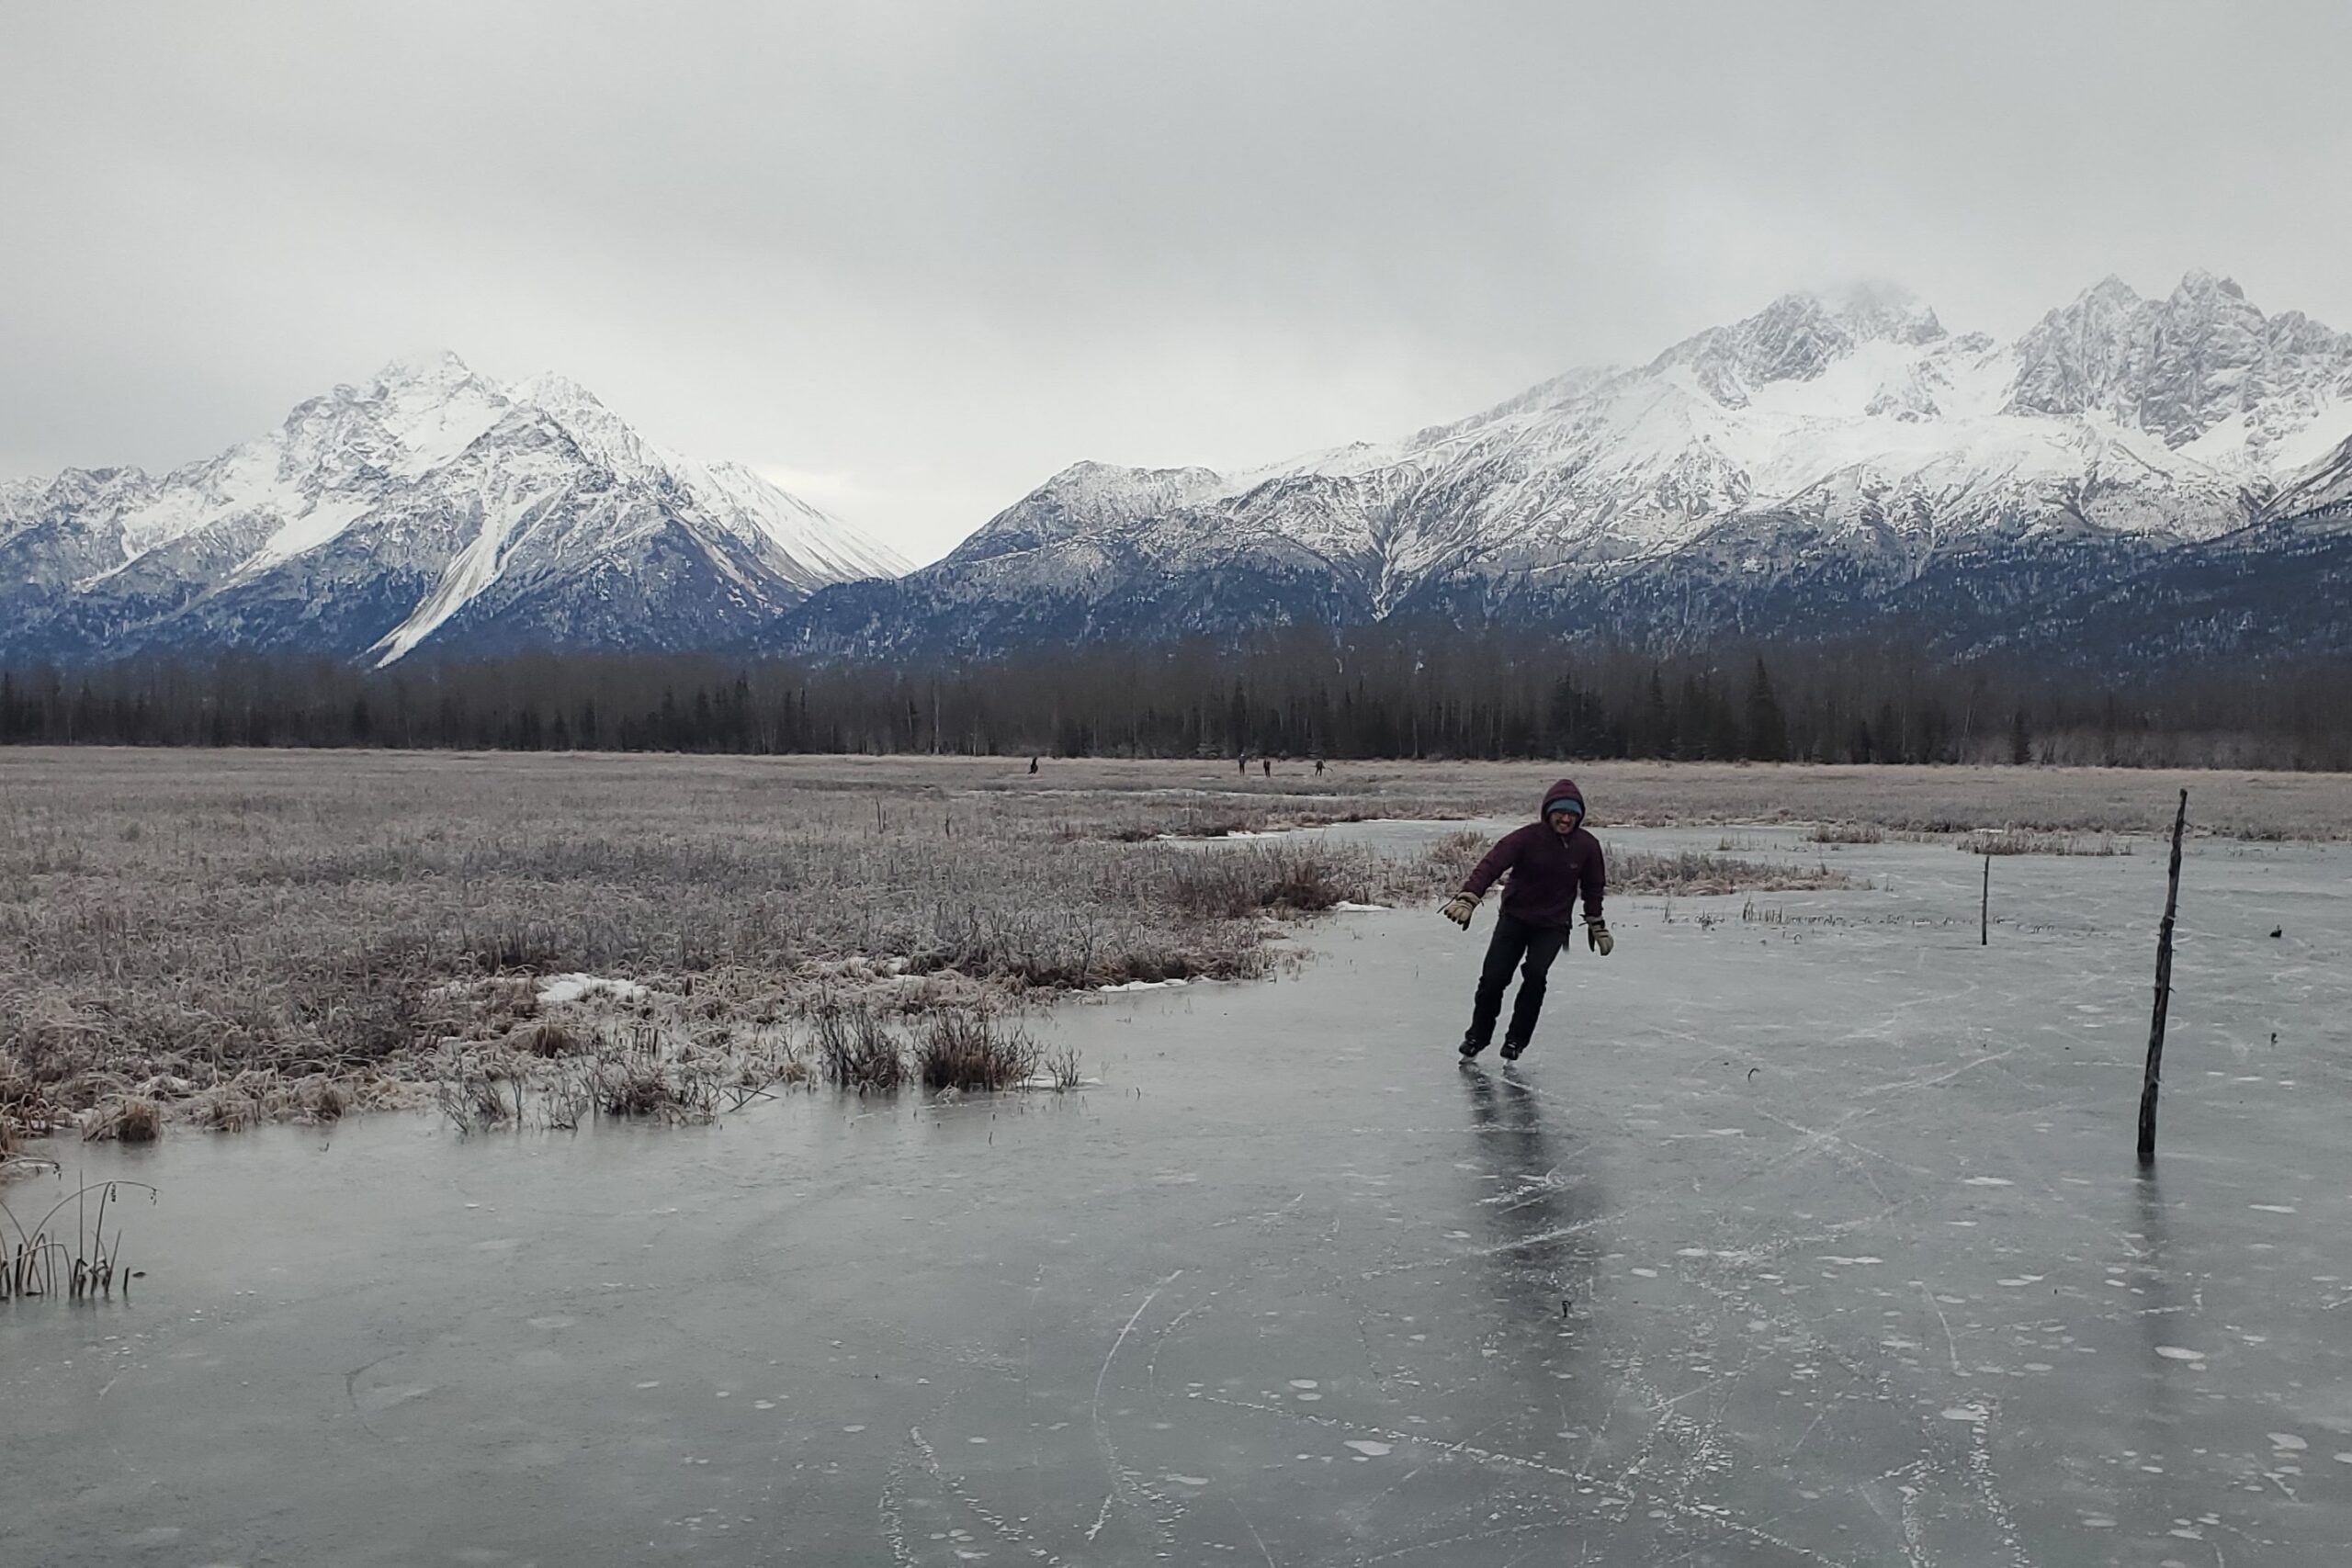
x=1458, y=908
x=1596, y=934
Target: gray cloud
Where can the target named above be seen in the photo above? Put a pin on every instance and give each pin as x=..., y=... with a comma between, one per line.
x=926, y=254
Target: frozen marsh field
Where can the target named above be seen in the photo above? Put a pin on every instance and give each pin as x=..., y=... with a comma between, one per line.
x=1808, y=1232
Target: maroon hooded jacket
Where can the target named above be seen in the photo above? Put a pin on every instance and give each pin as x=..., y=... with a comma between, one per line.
x=1547, y=871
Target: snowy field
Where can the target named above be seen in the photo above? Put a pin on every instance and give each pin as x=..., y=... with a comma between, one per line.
x=1808, y=1233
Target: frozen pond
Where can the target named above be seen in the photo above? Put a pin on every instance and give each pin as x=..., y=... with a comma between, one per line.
x=1809, y=1237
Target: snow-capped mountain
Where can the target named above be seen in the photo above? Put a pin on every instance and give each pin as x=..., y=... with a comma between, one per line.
x=2131, y=478
x=1828, y=461
x=431, y=507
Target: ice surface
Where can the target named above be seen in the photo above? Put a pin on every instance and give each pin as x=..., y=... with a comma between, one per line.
x=1290, y=1287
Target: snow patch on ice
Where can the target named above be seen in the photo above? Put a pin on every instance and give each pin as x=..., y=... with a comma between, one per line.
x=1366, y=1446
x=1143, y=985
x=1349, y=907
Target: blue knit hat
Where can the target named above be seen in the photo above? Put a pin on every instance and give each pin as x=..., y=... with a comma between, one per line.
x=1564, y=795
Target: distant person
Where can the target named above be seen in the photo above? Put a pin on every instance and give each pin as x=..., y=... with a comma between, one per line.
x=1032, y=764
x=1267, y=764
x=1242, y=765
x=1550, y=860
x=1318, y=767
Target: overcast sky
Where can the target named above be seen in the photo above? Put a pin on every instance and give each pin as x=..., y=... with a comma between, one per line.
x=912, y=259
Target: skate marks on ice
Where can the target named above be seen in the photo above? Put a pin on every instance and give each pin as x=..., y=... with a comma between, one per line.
x=1770, y=1252
x=1493, y=1422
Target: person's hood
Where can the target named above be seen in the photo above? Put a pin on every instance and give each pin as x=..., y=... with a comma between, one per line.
x=1565, y=789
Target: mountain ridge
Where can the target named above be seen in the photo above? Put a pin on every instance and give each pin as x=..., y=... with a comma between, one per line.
x=382, y=517
x=1838, y=462
x=1829, y=458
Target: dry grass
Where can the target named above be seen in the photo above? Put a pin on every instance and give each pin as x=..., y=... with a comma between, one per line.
x=1232, y=883
x=1697, y=875
x=214, y=931
x=1690, y=872
x=658, y=1066
x=37, y=1260
x=860, y=1049
x=972, y=1052
x=2026, y=842
x=549, y=1037
x=134, y=1119
x=1846, y=833
x=247, y=936
x=1065, y=1068
x=1168, y=797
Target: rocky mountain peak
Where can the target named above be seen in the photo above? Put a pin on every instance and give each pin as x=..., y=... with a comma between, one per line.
x=2176, y=367
x=1798, y=336
x=435, y=371
x=1875, y=311
x=1083, y=497
x=426, y=502
x=599, y=432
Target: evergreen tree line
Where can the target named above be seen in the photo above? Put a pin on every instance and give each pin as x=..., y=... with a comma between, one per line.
x=1386, y=691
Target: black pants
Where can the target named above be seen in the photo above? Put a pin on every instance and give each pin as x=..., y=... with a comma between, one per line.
x=1533, y=948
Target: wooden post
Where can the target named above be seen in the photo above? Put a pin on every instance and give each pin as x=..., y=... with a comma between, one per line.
x=1984, y=910
x=2164, y=994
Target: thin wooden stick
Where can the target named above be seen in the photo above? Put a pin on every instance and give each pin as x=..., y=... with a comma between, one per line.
x=1984, y=912
x=2164, y=994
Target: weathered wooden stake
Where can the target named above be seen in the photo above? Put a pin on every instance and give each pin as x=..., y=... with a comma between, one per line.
x=1984, y=911
x=2164, y=994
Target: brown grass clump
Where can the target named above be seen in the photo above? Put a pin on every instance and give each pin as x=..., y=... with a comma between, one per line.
x=132, y=1119
x=322, y=1098
x=230, y=1106
x=1699, y=875
x=1447, y=862
x=1245, y=880
x=637, y=1087
x=857, y=1047
x=973, y=1053
x=2025, y=841
x=26, y=1109
x=1846, y=833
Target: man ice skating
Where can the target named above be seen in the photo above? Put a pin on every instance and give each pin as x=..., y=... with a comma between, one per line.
x=1551, y=862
